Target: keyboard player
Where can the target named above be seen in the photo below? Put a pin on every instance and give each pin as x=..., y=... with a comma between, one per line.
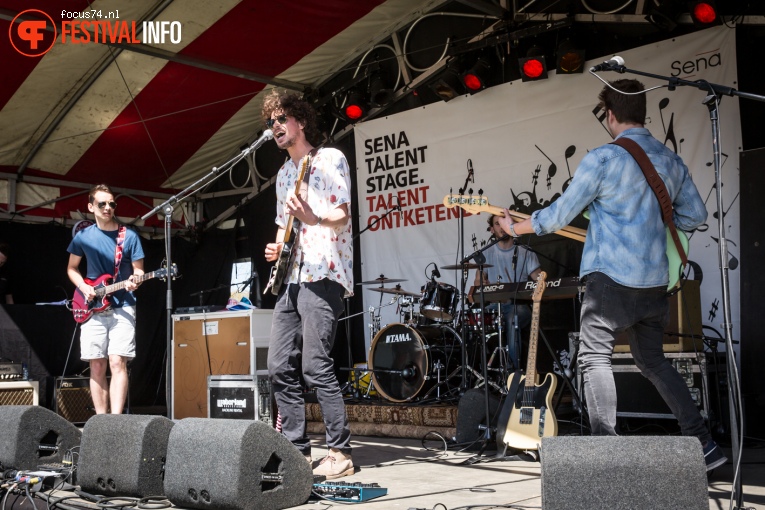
x=510, y=263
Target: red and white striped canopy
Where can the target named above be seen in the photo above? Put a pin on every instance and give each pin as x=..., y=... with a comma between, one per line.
x=156, y=117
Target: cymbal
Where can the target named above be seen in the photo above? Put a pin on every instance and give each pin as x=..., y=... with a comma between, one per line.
x=396, y=290
x=466, y=266
x=381, y=280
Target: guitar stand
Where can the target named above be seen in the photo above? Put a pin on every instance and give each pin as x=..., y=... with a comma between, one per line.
x=566, y=380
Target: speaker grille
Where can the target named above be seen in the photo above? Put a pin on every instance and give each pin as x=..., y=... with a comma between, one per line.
x=73, y=400
x=18, y=393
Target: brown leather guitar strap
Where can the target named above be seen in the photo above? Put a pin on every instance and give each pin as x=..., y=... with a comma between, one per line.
x=658, y=187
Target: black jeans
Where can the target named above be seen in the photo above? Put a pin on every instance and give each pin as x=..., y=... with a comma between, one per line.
x=302, y=334
x=609, y=309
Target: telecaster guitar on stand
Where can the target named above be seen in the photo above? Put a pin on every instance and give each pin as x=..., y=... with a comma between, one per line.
x=279, y=271
x=531, y=416
x=82, y=309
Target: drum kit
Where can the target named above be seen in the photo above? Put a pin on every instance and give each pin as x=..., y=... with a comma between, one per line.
x=434, y=352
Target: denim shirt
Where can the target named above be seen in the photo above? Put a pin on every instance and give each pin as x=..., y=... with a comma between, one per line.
x=626, y=239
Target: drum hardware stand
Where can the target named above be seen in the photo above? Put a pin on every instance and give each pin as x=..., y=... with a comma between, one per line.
x=463, y=358
x=374, y=328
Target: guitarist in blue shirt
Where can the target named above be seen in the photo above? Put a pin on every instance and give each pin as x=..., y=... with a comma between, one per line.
x=317, y=273
x=624, y=263
x=107, y=338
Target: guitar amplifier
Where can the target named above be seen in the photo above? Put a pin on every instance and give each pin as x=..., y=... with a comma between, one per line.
x=19, y=393
x=73, y=401
x=638, y=398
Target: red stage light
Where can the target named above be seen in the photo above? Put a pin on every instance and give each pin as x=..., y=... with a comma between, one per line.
x=354, y=112
x=355, y=105
x=472, y=82
x=476, y=77
x=533, y=68
x=703, y=14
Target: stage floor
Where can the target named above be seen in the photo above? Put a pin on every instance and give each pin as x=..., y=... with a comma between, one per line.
x=418, y=476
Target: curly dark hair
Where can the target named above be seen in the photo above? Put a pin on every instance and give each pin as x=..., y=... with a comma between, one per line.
x=293, y=105
x=626, y=108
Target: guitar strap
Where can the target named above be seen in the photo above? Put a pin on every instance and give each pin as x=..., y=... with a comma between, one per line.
x=306, y=178
x=118, y=251
x=658, y=187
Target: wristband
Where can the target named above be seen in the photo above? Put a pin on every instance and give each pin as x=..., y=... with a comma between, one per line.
x=512, y=230
x=319, y=219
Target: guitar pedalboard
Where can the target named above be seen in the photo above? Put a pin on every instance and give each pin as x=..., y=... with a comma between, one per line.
x=352, y=492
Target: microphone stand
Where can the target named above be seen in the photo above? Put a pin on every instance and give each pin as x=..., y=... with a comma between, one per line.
x=167, y=207
x=465, y=274
x=480, y=260
x=201, y=293
x=712, y=101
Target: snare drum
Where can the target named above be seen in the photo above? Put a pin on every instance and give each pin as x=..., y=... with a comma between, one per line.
x=406, y=361
x=439, y=301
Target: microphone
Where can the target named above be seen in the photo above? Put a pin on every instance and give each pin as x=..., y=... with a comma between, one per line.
x=471, y=174
x=608, y=65
x=435, y=273
x=266, y=136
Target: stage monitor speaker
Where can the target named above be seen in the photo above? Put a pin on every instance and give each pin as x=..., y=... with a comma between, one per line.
x=123, y=454
x=624, y=472
x=234, y=464
x=471, y=413
x=33, y=435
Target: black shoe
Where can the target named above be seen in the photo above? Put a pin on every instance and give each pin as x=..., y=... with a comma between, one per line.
x=713, y=455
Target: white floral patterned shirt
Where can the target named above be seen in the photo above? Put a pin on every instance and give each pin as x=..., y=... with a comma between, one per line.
x=320, y=251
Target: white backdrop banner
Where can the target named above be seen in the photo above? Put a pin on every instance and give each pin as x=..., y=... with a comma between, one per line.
x=525, y=141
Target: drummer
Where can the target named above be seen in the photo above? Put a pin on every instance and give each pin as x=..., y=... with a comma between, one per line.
x=509, y=263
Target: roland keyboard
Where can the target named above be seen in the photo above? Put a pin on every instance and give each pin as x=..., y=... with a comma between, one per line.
x=562, y=288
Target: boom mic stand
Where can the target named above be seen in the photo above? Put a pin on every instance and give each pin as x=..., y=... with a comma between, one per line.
x=712, y=102
x=465, y=273
x=480, y=260
x=167, y=207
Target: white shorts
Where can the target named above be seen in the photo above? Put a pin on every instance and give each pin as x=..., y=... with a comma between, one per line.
x=109, y=332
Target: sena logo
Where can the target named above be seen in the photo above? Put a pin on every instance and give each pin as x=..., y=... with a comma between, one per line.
x=28, y=36
x=702, y=62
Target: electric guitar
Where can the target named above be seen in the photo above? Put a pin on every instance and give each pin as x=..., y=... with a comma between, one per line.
x=279, y=271
x=477, y=203
x=531, y=416
x=82, y=309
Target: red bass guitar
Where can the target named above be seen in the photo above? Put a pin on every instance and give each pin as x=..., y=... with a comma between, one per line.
x=82, y=309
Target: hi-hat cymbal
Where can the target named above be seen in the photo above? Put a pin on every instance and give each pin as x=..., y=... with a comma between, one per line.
x=396, y=290
x=380, y=281
x=466, y=266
